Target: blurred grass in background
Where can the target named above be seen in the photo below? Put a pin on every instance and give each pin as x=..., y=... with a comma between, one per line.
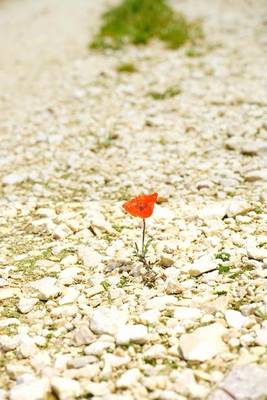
x=138, y=21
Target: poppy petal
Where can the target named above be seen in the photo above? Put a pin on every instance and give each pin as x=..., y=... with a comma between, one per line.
x=141, y=206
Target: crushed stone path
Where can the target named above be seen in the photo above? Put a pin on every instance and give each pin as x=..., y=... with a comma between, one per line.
x=80, y=317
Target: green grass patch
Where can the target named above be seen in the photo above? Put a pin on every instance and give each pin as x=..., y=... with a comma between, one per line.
x=171, y=91
x=223, y=269
x=221, y=292
x=127, y=68
x=223, y=256
x=139, y=21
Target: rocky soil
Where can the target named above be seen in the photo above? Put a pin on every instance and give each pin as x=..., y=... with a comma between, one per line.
x=80, y=316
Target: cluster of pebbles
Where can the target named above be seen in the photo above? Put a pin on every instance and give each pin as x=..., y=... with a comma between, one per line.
x=79, y=317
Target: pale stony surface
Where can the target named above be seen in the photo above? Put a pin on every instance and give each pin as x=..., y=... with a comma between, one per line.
x=80, y=317
x=245, y=382
x=204, y=343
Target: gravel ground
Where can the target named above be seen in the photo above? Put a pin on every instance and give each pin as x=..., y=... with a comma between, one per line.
x=80, y=317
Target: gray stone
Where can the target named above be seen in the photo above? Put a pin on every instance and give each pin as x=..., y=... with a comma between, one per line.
x=83, y=335
x=219, y=394
x=247, y=382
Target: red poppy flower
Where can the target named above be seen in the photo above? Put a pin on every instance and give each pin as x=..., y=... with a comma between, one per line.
x=141, y=206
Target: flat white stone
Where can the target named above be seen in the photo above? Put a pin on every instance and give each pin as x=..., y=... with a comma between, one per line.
x=26, y=305
x=9, y=321
x=46, y=288
x=89, y=257
x=26, y=346
x=161, y=302
x=245, y=382
x=13, y=179
x=69, y=260
x=257, y=253
x=97, y=348
x=204, y=264
x=107, y=320
x=7, y=293
x=204, y=343
x=36, y=389
x=128, y=378
x=65, y=388
x=191, y=313
x=157, y=351
x=150, y=317
x=70, y=295
x=235, y=319
x=132, y=334
x=68, y=275
x=213, y=211
x=261, y=338
x=8, y=343
x=257, y=175
x=238, y=207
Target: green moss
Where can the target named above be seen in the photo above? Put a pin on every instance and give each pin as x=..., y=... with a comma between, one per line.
x=238, y=273
x=193, y=52
x=151, y=361
x=221, y=292
x=8, y=309
x=128, y=68
x=123, y=281
x=170, y=364
x=223, y=269
x=223, y=256
x=166, y=94
x=106, y=285
x=139, y=21
x=27, y=266
x=261, y=314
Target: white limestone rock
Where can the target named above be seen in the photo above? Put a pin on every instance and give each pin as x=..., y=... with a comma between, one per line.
x=26, y=305
x=235, y=319
x=238, y=207
x=183, y=313
x=132, y=334
x=161, y=302
x=205, y=263
x=89, y=257
x=204, y=343
x=150, y=317
x=7, y=293
x=108, y=320
x=97, y=348
x=65, y=388
x=68, y=275
x=35, y=389
x=257, y=253
x=128, y=378
x=8, y=343
x=46, y=288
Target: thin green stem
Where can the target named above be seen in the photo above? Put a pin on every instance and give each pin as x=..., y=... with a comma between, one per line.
x=143, y=238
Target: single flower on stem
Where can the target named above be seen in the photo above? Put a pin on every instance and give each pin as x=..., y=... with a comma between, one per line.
x=142, y=207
